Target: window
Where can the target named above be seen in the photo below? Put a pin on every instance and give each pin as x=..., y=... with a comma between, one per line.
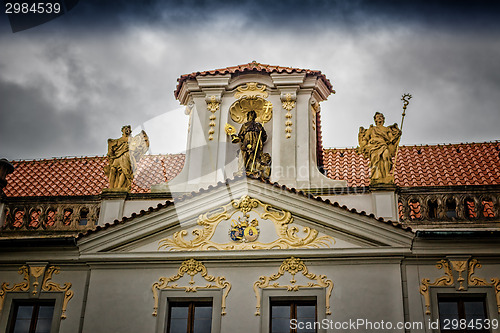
x=189, y=317
x=32, y=316
x=283, y=311
x=465, y=310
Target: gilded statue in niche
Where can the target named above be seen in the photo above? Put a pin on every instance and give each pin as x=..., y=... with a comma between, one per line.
x=379, y=144
x=123, y=155
x=251, y=137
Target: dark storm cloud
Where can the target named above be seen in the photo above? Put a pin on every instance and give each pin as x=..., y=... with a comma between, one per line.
x=289, y=13
x=31, y=124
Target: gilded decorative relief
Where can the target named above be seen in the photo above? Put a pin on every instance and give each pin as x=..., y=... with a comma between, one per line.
x=293, y=266
x=241, y=209
x=191, y=267
x=463, y=269
x=288, y=104
x=251, y=97
x=213, y=106
x=35, y=272
x=251, y=90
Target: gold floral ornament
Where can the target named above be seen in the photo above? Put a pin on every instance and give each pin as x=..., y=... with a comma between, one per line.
x=47, y=285
x=287, y=234
x=293, y=266
x=191, y=267
x=213, y=106
x=288, y=104
x=461, y=267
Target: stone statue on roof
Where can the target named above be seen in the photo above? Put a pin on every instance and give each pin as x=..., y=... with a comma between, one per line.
x=379, y=144
x=123, y=155
x=251, y=137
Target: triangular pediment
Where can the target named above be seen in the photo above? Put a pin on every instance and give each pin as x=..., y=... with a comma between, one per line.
x=246, y=215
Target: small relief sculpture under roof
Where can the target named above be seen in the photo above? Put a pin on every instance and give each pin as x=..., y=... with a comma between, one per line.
x=379, y=144
x=123, y=155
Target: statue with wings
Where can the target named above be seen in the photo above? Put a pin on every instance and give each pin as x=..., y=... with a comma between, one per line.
x=123, y=155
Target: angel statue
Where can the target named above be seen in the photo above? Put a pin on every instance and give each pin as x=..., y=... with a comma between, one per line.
x=379, y=144
x=123, y=155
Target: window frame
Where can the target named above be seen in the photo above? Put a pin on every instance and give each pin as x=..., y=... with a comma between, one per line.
x=7, y=315
x=166, y=296
x=487, y=292
x=292, y=304
x=191, y=304
x=306, y=294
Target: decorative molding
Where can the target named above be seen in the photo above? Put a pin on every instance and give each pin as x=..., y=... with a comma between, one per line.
x=293, y=266
x=48, y=285
x=37, y=271
x=191, y=267
x=288, y=103
x=287, y=235
x=463, y=269
x=213, y=105
x=251, y=90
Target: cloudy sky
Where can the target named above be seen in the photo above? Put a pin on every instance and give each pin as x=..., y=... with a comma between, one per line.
x=70, y=84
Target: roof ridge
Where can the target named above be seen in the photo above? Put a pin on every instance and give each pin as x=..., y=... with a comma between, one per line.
x=426, y=144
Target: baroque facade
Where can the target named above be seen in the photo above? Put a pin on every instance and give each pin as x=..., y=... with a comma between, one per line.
x=255, y=226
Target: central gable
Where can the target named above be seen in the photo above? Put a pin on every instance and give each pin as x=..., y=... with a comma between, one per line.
x=246, y=215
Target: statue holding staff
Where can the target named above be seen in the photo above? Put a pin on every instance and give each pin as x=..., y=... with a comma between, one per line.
x=379, y=144
x=251, y=138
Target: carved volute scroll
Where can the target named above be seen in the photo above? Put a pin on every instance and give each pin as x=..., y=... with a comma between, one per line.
x=293, y=266
x=458, y=274
x=239, y=211
x=191, y=267
x=32, y=275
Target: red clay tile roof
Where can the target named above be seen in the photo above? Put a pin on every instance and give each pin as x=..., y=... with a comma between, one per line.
x=250, y=67
x=84, y=175
x=436, y=165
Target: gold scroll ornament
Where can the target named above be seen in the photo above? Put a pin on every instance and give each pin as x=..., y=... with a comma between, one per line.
x=47, y=285
x=293, y=266
x=287, y=235
x=191, y=267
x=447, y=280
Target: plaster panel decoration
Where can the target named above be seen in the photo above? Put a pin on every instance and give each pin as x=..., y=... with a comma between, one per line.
x=293, y=266
x=248, y=212
x=213, y=105
x=251, y=90
x=464, y=270
x=288, y=103
x=251, y=97
x=191, y=267
x=32, y=275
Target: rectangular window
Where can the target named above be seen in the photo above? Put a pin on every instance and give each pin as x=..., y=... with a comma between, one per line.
x=32, y=316
x=189, y=317
x=283, y=311
x=463, y=314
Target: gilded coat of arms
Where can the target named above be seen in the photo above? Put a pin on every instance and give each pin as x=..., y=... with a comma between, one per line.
x=244, y=231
